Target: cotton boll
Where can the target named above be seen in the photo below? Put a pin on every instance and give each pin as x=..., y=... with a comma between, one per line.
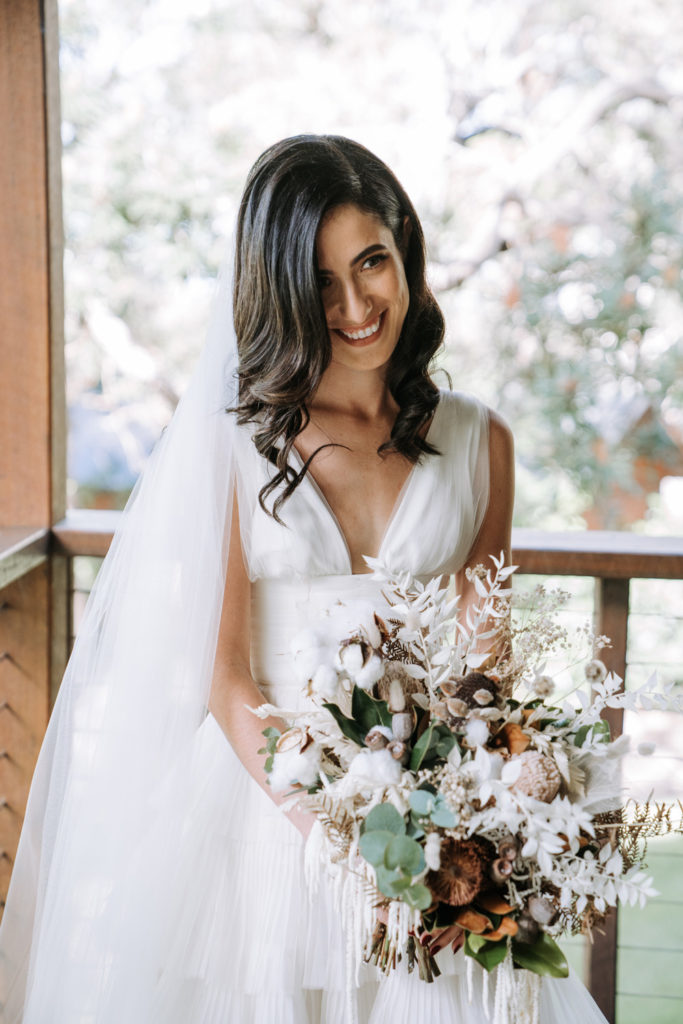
x=477, y=732
x=325, y=683
x=377, y=767
x=292, y=766
x=646, y=748
x=351, y=659
x=370, y=673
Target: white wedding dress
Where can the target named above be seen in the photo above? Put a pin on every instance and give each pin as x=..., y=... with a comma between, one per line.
x=250, y=946
x=236, y=938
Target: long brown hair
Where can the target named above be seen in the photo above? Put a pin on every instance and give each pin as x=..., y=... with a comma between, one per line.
x=282, y=338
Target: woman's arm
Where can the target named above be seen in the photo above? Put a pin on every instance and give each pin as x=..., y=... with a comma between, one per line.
x=495, y=532
x=233, y=690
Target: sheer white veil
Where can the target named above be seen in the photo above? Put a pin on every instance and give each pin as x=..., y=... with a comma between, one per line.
x=107, y=808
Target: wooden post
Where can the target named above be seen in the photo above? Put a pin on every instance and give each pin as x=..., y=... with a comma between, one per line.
x=33, y=621
x=612, y=604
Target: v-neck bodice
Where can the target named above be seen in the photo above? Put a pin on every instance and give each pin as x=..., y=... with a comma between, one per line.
x=432, y=526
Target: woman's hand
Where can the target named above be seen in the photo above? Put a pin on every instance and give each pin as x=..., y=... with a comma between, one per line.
x=438, y=939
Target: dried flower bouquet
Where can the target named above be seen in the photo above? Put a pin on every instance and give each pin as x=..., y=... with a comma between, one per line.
x=449, y=788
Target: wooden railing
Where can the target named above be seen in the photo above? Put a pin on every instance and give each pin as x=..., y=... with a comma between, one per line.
x=611, y=559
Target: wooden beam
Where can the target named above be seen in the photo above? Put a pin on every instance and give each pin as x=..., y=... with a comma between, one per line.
x=609, y=554
x=32, y=417
x=612, y=608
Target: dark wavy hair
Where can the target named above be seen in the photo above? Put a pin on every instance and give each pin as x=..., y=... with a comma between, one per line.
x=282, y=339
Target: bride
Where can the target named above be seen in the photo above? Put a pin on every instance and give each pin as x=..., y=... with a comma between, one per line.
x=157, y=880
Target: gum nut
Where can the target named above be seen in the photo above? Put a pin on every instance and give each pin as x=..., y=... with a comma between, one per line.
x=527, y=928
x=376, y=739
x=402, y=724
x=399, y=750
x=508, y=848
x=542, y=910
x=457, y=707
x=501, y=870
x=448, y=688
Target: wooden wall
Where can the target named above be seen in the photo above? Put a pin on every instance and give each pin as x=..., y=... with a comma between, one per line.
x=33, y=634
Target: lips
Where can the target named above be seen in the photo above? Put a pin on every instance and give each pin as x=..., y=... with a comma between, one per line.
x=363, y=335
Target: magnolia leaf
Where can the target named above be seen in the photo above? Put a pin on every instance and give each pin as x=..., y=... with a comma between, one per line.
x=347, y=725
x=488, y=954
x=544, y=956
x=385, y=817
x=367, y=711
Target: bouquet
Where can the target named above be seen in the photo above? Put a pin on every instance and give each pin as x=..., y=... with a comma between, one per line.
x=449, y=786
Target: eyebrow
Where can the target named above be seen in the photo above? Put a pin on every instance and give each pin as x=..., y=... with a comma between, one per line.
x=377, y=247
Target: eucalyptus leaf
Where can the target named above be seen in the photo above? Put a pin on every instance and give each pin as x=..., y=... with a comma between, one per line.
x=421, y=802
x=404, y=853
x=418, y=896
x=373, y=845
x=385, y=817
x=391, y=883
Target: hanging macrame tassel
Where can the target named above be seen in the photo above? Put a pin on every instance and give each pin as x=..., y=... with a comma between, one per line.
x=469, y=973
x=485, y=994
x=505, y=984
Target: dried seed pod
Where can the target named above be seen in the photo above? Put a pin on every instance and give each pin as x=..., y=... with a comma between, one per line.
x=464, y=870
x=449, y=688
x=399, y=750
x=482, y=697
x=440, y=711
x=539, y=776
x=508, y=848
x=403, y=723
x=501, y=870
x=473, y=683
x=541, y=910
x=457, y=707
x=294, y=737
x=527, y=928
x=376, y=739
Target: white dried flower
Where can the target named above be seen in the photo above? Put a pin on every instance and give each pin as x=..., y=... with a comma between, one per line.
x=595, y=671
x=543, y=686
x=376, y=767
x=324, y=683
x=351, y=658
x=370, y=673
x=295, y=766
x=432, y=851
x=476, y=733
x=646, y=748
x=397, y=697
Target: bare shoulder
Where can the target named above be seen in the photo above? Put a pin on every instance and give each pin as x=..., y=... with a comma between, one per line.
x=501, y=440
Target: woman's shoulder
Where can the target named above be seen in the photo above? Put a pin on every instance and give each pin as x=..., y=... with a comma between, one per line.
x=462, y=406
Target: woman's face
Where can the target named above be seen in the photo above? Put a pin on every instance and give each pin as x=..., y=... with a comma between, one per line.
x=363, y=287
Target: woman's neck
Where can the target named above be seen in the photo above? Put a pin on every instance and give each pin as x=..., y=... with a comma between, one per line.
x=363, y=394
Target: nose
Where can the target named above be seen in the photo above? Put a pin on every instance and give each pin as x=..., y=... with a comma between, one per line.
x=352, y=305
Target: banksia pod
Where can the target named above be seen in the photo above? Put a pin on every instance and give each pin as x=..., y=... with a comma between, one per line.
x=465, y=866
x=539, y=777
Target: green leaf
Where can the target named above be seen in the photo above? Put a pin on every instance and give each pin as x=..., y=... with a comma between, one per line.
x=373, y=846
x=488, y=954
x=424, y=749
x=271, y=731
x=391, y=883
x=406, y=854
x=544, y=956
x=442, y=815
x=347, y=725
x=414, y=828
x=418, y=896
x=445, y=745
x=367, y=711
x=385, y=817
x=421, y=802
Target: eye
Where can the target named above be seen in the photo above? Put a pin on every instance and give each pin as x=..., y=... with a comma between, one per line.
x=324, y=282
x=374, y=261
